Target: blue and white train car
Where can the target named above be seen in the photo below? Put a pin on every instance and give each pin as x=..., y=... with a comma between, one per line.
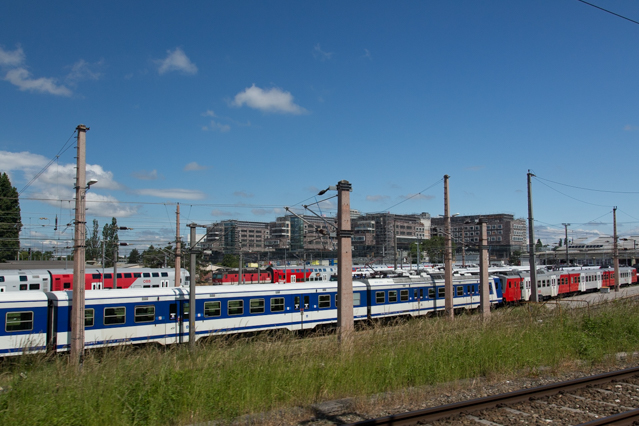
x=23, y=322
x=298, y=306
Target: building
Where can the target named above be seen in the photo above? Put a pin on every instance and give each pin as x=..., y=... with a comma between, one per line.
x=506, y=235
x=381, y=235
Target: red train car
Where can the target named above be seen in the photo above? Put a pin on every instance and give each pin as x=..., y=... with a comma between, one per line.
x=511, y=287
x=275, y=275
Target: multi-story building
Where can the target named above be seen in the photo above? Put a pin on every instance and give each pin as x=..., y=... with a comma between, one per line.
x=505, y=233
x=378, y=235
x=233, y=236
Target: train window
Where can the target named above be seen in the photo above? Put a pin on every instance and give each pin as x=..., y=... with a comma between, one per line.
x=403, y=295
x=324, y=301
x=431, y=293
x=392, y=296
x=257, y=306
x=66, y=286
x=415, y=293
x=165, y=274
x=441, y=292
x=89, y=317
x=34, y=286
x=19, y=321
x=146, y=286
x=1, y=279
x=380, y=297
x=119, y=275
x=137, y=275
x=95, y=276
x=357, y=299
x=108, y=276
x=114, y=316
x=126, y=275
x=23, y=277
x=212, y=309
x=235, y=307
x=23, y=287
x=145, y=313
x=336, y=297
x=460, y=290
x=155, y=274
x=146, y=275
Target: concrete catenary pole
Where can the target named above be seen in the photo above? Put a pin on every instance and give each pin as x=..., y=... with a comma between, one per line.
x=531, y=243
x=192, y=312
x=448, y=255
x=178, y=252
x=566, y=225
x=615, y=248
x=77, y=309
x=116, y=255
x=344, y=262
x=484, y=291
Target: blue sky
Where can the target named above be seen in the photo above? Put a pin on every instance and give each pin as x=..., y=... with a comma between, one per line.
x=237, y=109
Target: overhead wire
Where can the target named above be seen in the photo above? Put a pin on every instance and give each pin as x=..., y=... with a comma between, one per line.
x=54, y=159
x=609, y=11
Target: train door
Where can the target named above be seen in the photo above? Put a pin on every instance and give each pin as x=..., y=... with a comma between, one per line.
x=96, y=285
x=177, y=325
x=293, y=278
x=302, y=307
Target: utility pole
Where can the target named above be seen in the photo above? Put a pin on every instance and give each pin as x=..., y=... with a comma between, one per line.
x=192, y=289
x=448, y=261
x=395, y=243
x=615, y=248
x=344, y=262
x=116, y=248
x=531, y=242
x=484, y=291
x=240, y=272
x=178, y=253
x=566, y=225
x=77, y=307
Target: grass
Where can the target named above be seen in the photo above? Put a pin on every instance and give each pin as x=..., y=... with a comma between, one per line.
x=232, y=376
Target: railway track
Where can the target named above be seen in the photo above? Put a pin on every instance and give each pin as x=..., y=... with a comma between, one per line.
x=604, y=399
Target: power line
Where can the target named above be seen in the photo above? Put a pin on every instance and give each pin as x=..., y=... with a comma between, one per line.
x=576, y=199
x=53, y=160
x=608, y=11
x=588, y=189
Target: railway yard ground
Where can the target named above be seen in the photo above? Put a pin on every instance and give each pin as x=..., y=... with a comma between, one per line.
x=283, y=379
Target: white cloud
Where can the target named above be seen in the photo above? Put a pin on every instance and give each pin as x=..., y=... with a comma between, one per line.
x=175, y=193
x=194, y=166
x=272, y=100
x=319, y=53
x=11, y=59
x=217, y=126
x=209, y=113
x=176, y=60
x=56, y=175
x=22, y=78
x=144, y=175
x=82, y=70
x=367, y=54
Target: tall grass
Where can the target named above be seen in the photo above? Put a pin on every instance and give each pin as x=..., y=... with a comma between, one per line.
x=228, y=377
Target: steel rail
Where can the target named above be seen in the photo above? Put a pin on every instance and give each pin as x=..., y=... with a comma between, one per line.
x=450, y=410
x=628, y=418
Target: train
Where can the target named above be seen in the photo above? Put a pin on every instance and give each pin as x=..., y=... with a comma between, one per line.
x=94, y=279
x=275, y=275
x=515, y=286
x=32, y=322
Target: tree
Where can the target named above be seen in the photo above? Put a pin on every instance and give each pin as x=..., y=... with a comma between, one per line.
x=10, y=221
x=94, y=243
x=134, y=256
x=230, y=261
x=515, y=258
x=435, y=247
x=539, y=245
x=560, y=242
x=111, y=241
